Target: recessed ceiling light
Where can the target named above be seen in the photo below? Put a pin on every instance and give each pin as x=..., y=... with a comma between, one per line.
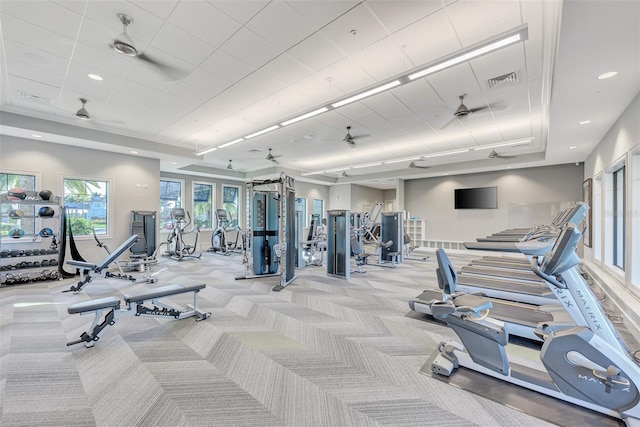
x=573, y=147
x=584, y=122
x=607, y=75
x=134, y=152
x=174, y=163
x=36, y=136
x=95, y=77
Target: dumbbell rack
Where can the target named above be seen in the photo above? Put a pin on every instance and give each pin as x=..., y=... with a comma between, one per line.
x=31, y=257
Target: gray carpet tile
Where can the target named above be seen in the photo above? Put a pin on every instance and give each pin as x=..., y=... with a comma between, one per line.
x=322, y=352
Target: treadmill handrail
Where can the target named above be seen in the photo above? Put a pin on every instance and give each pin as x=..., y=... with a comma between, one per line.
x=536, y=269
x=526, y=248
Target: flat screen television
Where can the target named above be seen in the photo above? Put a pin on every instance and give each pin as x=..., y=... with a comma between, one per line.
x=476, y=198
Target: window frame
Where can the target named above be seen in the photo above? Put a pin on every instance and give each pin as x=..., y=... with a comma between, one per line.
x=304, y=213
x=597, y=208
x=239, y=207
x=608, y=224
x=321, y=209
x=108, y=204
x=633, y=199
x=163, y=227
x=212, y=203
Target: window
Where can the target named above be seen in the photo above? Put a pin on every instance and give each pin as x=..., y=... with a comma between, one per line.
x=170, y=197
x=597, y=218
x=318, y=210
x=301, y=205
x=635, y=219
x=618, y=217
x=87, y=205
x=231, y=202
x=202, y=205
x=9, y=181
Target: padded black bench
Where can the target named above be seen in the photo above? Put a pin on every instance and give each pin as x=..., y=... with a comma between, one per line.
x=88, y=269
x=136, y=306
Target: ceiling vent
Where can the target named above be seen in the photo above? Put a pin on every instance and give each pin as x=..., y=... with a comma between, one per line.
x=503, y=80
x=29, y=97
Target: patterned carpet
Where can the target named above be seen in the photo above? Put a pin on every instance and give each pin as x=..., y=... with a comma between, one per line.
x=322, y=352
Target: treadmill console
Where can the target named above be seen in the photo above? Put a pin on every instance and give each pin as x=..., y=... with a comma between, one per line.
x=578, y=213
x=222, y=214
x=563, y=256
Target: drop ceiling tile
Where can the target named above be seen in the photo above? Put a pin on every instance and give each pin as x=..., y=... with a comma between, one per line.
x=286, y=70
x=383, y=59
x=319, y=14
x=249, y=48
x=475, y=21
x=206, y=82
x=241, y=11
x=35, y=57
x=417, y=95
x=387, y=105
x=81, y=71
x=418, y=38
x=160, y=8
x=396, y=15
x=316, y=52
x=180, y=44
x=459, y=77
x=39, y=13
x=35, y=36
x=226, y=66
x=281, y=36
x=204, y=21
x=148, y=76
x=359, y=19
x=72, y=5
x=87, y=88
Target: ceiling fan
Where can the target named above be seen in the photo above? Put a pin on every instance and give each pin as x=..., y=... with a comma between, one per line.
x=463, y=111
x=413, y=165
x=124, y=44
x=230, y=166
x=83, y=114
x=350, y=139
x=271, y=157
x=494, y=155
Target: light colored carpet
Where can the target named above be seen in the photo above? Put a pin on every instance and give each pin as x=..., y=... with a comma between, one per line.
x=322, y=352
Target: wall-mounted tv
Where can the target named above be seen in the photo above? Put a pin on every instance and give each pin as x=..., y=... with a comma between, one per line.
x=476, y=198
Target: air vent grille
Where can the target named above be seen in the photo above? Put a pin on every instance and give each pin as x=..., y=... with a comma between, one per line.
x=505, y=79
x=30, y=97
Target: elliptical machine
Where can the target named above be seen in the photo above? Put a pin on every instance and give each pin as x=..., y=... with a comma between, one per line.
x=588, y=365
x=181, y=219
x=219, y=241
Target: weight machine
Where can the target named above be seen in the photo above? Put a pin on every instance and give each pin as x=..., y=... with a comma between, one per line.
x=270, y=237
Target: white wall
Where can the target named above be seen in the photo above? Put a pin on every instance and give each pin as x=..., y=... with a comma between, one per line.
x=134, y=180
x=526, y=197
x=362, y=198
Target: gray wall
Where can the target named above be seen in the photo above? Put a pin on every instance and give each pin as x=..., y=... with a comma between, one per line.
x=362, y=198
x=526, y=197
x=339, y=197
x=134, y=180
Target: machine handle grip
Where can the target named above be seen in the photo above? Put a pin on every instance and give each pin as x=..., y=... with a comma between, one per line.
x=536, y=269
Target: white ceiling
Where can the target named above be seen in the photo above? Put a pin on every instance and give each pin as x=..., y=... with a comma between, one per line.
x=245, y=65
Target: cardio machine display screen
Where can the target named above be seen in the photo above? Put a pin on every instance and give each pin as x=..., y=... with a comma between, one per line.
x=476, y=198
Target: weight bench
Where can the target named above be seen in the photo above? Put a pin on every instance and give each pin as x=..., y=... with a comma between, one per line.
x=135, y=306
x=88, y=270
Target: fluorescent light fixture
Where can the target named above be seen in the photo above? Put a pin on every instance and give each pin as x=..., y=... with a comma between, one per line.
x=263, y=131
x=446, y=153
x=366, y=165
x=502, y=144
x=367, y=93
x=208, y=150
x=304, y=116
x=134, y=152
x=312, y=173
x=235, y=141
x=584, y=122
x=607, y=75
x=35, y=135
x=406, y=159
x=337, y=169
x=474, y=52
x=95, y=77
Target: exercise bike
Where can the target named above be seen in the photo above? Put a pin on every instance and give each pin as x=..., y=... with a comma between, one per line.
x=588, y=365
x=181, y=219
x=219, y=241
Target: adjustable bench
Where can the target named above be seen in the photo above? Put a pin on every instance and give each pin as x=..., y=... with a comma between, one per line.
x=88, y=270
x=135, y=306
